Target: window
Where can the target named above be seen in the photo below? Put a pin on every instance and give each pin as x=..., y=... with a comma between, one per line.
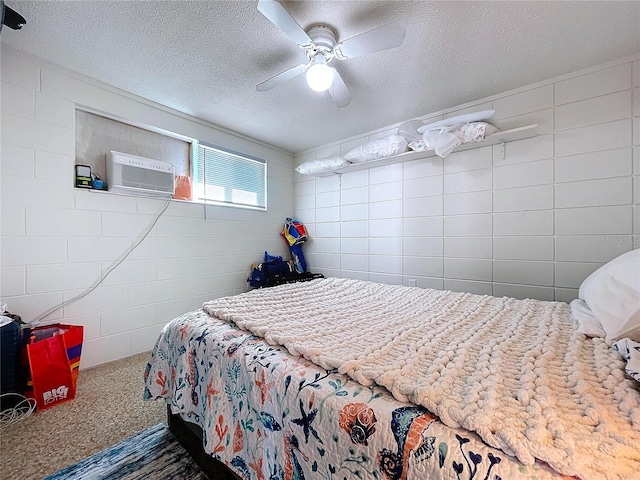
x=97, y=135
x=229, y=178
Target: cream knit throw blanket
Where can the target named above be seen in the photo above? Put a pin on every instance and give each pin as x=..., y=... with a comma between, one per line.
x=516, y=372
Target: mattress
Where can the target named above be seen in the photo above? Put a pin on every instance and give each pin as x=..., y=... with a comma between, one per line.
x=268, y=414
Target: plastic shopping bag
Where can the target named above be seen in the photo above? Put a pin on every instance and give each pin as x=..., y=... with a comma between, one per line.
x=52, y=356
x=442, y=140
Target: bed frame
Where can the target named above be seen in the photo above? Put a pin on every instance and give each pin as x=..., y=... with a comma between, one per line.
x=190, y=437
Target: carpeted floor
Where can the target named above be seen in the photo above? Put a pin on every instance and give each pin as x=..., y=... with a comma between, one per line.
x=108, y=408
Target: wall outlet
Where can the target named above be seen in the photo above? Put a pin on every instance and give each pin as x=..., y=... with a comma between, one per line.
x=413, y=282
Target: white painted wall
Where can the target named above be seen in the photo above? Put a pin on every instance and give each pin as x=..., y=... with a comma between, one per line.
x=532, y=224
x=57, y=239
x=535, y=223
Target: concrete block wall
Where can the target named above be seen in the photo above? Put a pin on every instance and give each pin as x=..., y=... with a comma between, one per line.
x=532, y=223
x=56, y=240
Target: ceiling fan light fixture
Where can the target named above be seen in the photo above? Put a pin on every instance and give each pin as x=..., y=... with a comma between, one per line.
x=320, y=44
x=319, y=75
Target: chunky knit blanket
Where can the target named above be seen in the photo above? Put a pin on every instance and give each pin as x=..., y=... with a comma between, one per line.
x=517, y=372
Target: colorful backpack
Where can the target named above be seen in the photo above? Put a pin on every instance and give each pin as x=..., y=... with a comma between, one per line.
x=294, y=232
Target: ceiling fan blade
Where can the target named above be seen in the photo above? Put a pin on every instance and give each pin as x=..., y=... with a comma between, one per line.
x=381, y=38
x=277, y=15
x=339, y=91
x=281, y=78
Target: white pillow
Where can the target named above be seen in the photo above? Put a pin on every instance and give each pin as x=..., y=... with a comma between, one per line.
x=409, y=130
x=587, y=321
x=380, y=148
x=613, y=294
x=475, y=132
x=321, y=165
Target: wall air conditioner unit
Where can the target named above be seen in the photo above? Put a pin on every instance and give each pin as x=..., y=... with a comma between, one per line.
x=139, y=175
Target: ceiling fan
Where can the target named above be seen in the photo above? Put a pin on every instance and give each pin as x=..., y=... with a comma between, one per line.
x=319, y=42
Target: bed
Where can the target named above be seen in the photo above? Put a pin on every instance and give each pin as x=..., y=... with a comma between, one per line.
x=295, y=382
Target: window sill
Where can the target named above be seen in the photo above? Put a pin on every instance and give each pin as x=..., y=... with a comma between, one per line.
x=210, y=203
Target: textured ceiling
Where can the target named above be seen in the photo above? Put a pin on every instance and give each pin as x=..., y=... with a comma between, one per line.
x=204, y=58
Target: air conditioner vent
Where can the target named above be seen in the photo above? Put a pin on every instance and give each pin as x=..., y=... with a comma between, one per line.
x=139, y=175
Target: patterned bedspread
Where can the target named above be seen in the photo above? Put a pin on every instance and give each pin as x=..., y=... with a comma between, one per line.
x=269, y=415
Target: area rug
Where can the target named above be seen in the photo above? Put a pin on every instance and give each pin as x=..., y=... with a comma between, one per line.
x=153, y=454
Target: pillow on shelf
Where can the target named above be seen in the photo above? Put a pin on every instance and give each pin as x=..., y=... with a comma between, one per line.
x=321, y=165
x=475, y=132
x=613, y=294
x=379, y=148
x=409, y=130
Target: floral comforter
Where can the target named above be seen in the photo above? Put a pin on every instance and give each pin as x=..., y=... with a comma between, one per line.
x=269, y=415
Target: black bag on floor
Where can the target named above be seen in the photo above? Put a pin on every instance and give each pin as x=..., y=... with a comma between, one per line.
x=10, y=344
x=271, y=272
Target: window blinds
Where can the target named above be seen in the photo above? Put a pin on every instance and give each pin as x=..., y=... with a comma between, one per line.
x=230, y=178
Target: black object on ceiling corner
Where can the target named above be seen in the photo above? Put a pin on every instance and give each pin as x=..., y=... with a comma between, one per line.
x=11, y=18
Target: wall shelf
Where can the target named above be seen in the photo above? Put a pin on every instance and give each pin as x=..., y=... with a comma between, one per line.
x=497, y=138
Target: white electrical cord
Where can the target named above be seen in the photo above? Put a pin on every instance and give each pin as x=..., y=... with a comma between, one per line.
x=113, y=266
x=21, y=411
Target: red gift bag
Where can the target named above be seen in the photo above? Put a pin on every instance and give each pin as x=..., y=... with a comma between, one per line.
x=53, y=355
